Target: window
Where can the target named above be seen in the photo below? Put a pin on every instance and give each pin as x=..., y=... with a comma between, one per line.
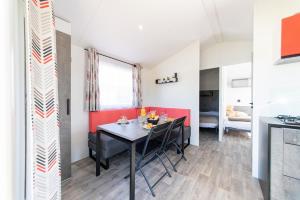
x=116, y=84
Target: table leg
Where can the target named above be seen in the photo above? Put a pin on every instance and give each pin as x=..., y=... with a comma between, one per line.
x=132, y=172
x=98, y=153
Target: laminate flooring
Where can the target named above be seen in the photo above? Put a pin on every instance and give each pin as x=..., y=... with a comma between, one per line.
x=214, y=170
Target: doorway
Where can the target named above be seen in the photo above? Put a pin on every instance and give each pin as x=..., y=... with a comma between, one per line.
x=209, y=104
x=236, y=100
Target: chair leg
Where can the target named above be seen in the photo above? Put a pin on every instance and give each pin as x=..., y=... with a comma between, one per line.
x=179, y=152
x=173, y=166
x=164, y=165
x=150, y=187
x=185, y=146
x=140, y=166
x=90, y=153
x=189, y=142
x=178, y=149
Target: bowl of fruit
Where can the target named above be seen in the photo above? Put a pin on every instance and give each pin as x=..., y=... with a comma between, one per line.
x=153, y=118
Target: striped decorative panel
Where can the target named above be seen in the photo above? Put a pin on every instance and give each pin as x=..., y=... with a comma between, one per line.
x=43, y=152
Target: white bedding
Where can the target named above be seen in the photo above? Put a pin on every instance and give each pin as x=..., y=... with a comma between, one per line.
x=246, y=126
x=209, y=119
x=208, y=125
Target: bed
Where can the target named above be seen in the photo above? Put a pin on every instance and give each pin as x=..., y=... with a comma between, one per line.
x=238, y=118
x=209, y=119
x=237, y=125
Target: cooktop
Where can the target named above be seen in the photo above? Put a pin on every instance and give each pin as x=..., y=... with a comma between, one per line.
x=288, y=119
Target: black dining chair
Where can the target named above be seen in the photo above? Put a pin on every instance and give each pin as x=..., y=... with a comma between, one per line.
x=176, y=130
x=151, y=149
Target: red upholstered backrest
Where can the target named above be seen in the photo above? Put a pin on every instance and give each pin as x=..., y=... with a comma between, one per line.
x=158, y=110
x=110, y=116
x=173, y=113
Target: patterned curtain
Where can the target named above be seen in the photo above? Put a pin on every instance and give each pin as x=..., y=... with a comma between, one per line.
x=43, y=177
x=92, y=91
x=137, y=86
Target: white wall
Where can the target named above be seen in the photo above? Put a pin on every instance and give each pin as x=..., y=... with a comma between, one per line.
x=20, y=120
x=8, y=136
x=220, y=55
x=148, y=80
x=62, y=25
x=79, y=117
x=275, y=88
x=226, y=53
x=233, y=94
x=242, y=94
x=185, y=93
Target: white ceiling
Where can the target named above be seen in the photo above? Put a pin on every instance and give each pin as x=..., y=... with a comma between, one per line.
x=112, y=26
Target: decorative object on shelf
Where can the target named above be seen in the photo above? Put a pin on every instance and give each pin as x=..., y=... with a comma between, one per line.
x=173, y=79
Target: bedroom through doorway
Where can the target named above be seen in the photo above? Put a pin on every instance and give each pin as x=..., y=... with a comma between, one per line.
x=225, y=115
x=209, y=104
x=236, y=101
x=225, y=105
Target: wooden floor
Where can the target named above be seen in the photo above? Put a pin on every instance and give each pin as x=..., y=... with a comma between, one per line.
x=215, y=170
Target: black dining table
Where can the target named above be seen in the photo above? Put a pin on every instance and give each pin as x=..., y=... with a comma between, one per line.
x=131, y=134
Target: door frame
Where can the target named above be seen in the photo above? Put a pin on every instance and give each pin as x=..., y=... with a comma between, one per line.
x=222, y=107
x=221, y=103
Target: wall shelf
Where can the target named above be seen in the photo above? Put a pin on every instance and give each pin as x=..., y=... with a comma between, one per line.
x=166, y=80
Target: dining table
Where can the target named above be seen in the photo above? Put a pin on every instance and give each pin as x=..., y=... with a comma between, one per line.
x=130, y=133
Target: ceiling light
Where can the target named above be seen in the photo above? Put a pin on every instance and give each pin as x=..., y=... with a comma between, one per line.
x=141, y=27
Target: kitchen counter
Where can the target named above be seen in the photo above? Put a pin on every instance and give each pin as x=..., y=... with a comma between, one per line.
x=279, y=162
x=274, y=122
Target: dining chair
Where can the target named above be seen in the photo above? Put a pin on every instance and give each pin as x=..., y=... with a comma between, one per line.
x=176, y=130
x=152, y=149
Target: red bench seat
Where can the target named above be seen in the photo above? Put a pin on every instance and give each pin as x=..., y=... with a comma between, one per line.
x=110, y=116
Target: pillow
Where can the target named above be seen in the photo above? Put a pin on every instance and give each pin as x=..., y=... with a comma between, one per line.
x=241, y=119
x=241, y=114
x=229, y=110
x=209, y=119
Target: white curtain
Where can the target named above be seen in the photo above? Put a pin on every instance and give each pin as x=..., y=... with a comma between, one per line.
x=137, y=86
x=92, y=92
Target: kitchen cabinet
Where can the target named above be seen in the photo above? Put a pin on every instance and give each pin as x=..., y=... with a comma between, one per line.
x=279, y=163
